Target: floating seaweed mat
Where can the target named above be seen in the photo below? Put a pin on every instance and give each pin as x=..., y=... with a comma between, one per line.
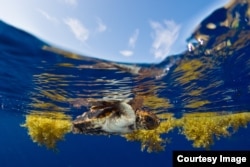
x=47, y=128
x=201, y=128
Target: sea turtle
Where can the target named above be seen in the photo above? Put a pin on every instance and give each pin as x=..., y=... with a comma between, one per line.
x=114, y=117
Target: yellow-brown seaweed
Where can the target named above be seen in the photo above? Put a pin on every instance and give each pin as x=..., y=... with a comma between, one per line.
x=151, y=139
x=47, y=128
x=201, y=128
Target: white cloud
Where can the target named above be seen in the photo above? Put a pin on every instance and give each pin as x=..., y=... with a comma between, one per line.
x=101, y=26
x=164, y=36
x=78, y=29
x=71, y=2
x=131, y=44
x=48, y=17
x=133, y=39
x=126, y=53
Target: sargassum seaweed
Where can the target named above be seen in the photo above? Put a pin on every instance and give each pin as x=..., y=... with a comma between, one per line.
x=47, y=128
x=201, y=128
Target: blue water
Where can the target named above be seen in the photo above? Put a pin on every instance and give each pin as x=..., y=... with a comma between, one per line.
x=33, y=72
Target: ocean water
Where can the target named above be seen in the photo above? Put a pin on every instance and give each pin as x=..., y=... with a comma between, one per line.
x=201, y=96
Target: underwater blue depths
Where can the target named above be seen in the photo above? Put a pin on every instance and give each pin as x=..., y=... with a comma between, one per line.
x=44, y=88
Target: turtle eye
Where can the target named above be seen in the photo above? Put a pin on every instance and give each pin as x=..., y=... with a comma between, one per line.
x=149, y=120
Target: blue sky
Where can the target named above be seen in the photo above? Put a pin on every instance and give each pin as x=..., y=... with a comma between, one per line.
x=117, y=30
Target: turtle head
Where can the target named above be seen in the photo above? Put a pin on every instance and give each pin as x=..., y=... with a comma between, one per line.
x=146, y=120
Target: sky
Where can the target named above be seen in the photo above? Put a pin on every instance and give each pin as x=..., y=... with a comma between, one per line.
x=137, y=31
